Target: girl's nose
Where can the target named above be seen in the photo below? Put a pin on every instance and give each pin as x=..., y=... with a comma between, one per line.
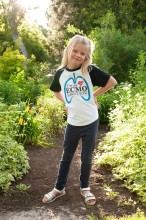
x=78, y=54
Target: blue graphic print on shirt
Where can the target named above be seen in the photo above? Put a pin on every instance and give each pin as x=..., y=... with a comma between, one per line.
x=76, y=86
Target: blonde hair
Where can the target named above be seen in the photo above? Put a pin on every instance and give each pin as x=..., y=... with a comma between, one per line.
x=68, y=49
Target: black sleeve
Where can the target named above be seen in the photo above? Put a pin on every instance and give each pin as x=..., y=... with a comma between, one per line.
x=98, y=77
x=55, y=85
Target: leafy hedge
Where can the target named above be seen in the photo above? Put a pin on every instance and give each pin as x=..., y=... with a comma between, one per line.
x=13, y=162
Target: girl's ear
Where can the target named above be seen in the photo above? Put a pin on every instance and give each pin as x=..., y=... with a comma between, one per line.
x=86, y=58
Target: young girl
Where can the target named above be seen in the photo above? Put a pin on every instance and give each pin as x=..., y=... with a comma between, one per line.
x=73, y=85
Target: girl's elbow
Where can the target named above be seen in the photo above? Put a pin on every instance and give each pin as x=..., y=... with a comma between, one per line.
x=56, y=93
x=113, y=81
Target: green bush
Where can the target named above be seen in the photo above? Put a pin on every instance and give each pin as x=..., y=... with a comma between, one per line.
x=50, y=117
x=10, y=92
x=138, y=74
x=13, y=162
x=31, y=91
x=21, y=80
x=13, y=93
x=124, y=146
x=36, y=41
x=116, y=51
x=3, y=106
x=11, y=63
x=18, y=122
x=106, y=101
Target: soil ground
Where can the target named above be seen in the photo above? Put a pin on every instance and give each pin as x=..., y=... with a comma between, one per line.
x=18, y=205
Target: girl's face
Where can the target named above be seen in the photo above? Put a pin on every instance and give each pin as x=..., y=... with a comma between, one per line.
x=77, y=56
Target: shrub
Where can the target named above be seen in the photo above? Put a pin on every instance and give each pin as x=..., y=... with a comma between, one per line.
x=31, y=91
x=21, y=80
x=116, y=51
x=124, y=146
x=18, y=121
x=11, y=63
x=13, y=162
x=50, y=116
x=138, y=74
x=106, y=101
x=10, y=92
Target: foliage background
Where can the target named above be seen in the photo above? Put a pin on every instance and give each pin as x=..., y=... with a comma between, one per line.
x=29, y=56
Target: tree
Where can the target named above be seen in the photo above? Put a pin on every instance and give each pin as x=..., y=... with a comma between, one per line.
x=85, y=15
x=116, y=51
x=35, y=39
x=12, y=16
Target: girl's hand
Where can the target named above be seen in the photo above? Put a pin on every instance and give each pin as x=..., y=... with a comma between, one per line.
x=67, y=110
x=95, y=100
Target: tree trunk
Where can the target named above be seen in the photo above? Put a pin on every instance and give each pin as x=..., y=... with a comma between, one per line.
x=19, y=43
x=15, y=18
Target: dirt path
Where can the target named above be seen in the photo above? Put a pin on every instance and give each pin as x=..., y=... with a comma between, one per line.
x=44, y=162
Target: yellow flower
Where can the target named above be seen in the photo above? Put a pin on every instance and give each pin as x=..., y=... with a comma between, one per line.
x=41, y=109
x=21, y=121
x=10, y=108
x=27, y=109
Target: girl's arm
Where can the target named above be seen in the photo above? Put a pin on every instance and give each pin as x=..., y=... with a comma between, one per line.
x=59, y=96
x=111, y=83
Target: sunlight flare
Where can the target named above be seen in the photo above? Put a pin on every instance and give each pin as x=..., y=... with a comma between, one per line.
x=36, y=10
x=32, y=3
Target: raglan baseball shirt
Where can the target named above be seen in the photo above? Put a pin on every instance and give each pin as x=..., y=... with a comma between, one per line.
x=77, y=90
